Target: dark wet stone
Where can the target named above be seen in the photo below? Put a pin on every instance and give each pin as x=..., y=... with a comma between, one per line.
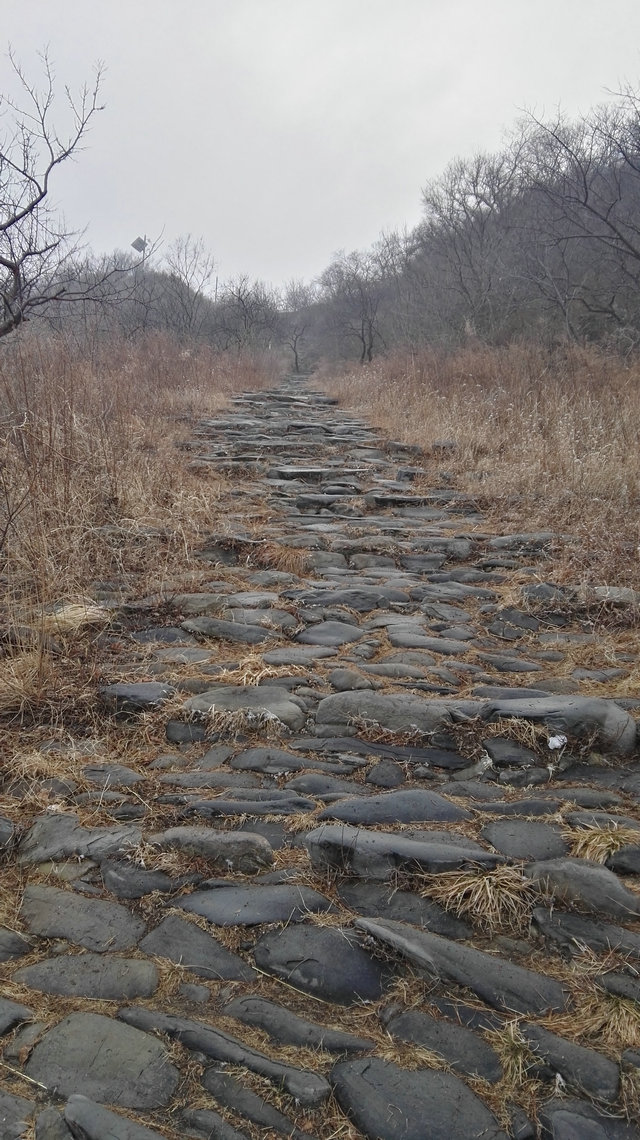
x=111, y=776
x=51, y=1126
x=210, y=1125
x=221, y=630
x=504, y=751
x=330, y=633
x=198, y=951
x=501, y=984
x=386, y=774
x=15, y=1115
x=90, y=1121
x=345, y=680
x=308, y=1088
x=379, y=854
x=322, y=961
x=127, y=881
x=336, y=714
x=396, y=807
x=270, y=761
x=229, y=1092
x=272, y=803
x=411, y=635
x=577, y=716
x=377, y=901
x=135, y=697
x=567, y=1118
x=470, y=1016
x=586, y=884
x=7, y=834
x=110, y=1061
x=361, y=599
x=315, y=784
x=250, y=906
x=227, y=849
x=96, y=924
x=107, y=978
x=520, y=807
x=573, y=931
x=289, y=1029
x=461, y=1047
x=162, y=635
x=11, y=1014
x=13, y=945
x=185, y=732
x=582, y=1069
x=600, y=819
x=258, y=702
x=525, y=839
x=626, y=861
x=620, y=985
x=305, y=655
x=389, y=1103
x=57, y=835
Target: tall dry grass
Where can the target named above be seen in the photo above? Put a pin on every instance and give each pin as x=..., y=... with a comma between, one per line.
x=543, y=439
x=90, y=459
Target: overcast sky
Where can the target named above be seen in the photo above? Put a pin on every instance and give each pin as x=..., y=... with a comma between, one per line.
x=284, y=130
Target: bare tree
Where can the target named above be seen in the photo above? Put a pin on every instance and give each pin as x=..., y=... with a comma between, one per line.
x=36, y=249
x=189, y=270
x=353, y=288
x=297, y=317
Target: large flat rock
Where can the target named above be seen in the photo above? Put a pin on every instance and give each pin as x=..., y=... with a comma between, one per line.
x=500, y=983
x=260, y=703
x=389, y=1103
x=250, y=906
x=322, y=961
x=104, y=977
x=379, y=854
x=109, y=1061
x=198, y=951
x=59, y=835
x=96, y=924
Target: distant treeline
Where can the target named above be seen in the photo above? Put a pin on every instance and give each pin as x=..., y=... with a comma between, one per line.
x=540, y=240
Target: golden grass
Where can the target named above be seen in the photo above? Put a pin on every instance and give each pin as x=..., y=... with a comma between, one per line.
x=598, y=843
x=497, y=900
x=23, y=682
x=544, y=439
x=94, y=483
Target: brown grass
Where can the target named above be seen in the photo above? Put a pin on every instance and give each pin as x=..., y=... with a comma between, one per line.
x=543, y=439
x=498, y=900
x=598, y=843
x=94, y=483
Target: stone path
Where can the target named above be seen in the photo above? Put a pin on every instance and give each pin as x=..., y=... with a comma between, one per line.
x=349, y=896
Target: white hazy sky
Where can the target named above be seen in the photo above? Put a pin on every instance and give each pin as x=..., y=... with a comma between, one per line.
x=283, y=130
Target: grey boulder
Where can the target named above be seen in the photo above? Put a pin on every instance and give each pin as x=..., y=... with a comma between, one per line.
x=259, y=703
x=390, y=1103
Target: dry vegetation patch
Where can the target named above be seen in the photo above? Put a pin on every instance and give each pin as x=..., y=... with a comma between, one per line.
x=543, y=438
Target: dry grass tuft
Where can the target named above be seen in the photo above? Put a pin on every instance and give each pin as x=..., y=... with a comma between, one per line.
x=288, y=559
x=605, y=1020
x=375, y=733
x=519, y=1064
x=495, y=901
x=72, y=616
x=598, y=843
x=253, y=671
x=245, y=722
x=23, y=682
